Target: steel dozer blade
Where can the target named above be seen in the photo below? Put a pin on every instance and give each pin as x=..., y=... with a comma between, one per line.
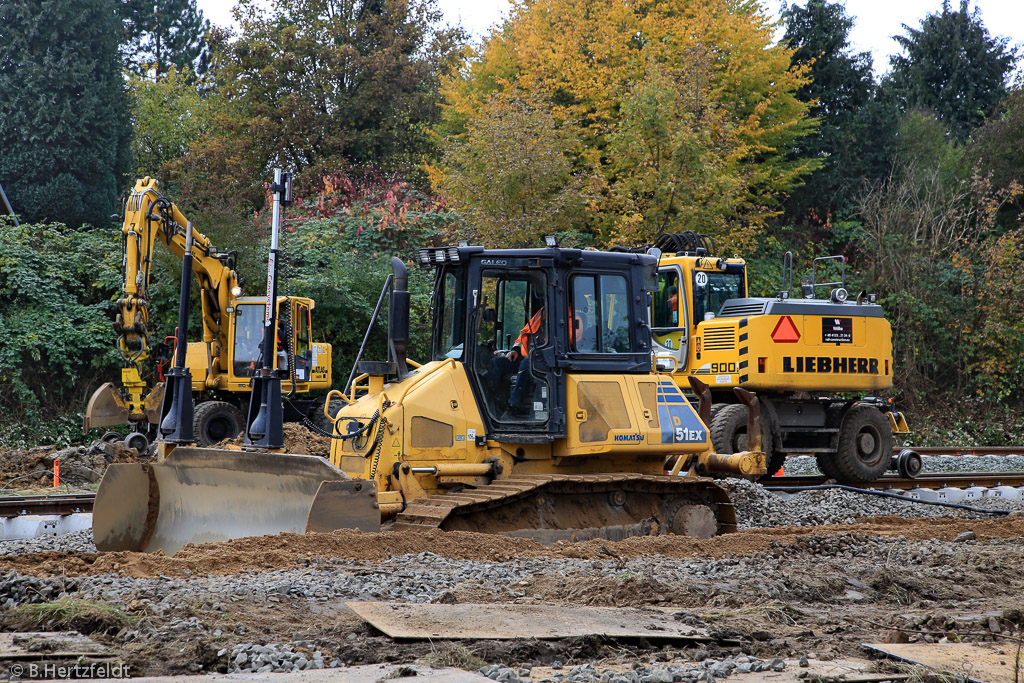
x=105, y=408
x=202, y=495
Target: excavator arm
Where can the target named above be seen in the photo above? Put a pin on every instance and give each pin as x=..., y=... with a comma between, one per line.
x=150, y=218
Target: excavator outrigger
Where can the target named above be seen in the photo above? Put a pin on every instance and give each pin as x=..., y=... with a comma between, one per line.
x=223, y=363
x=600, y=445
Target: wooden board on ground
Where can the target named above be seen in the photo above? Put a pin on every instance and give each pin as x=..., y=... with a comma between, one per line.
x=972, y=663
x=407, y=620
x=367, y=673
x=50, y=645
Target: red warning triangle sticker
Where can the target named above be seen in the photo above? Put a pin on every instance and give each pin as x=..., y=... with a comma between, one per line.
x=785, y=331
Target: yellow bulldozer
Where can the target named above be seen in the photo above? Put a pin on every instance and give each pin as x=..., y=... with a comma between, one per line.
x=538, y=415
x=223, y=363
x=817, y=364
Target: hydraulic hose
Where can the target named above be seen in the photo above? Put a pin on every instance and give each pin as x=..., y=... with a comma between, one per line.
x=886, y=494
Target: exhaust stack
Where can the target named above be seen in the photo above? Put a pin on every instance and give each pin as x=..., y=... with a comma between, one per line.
x=398, y=316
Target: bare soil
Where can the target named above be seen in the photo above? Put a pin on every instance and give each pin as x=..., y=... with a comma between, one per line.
x=297, y=439
x=779, y=592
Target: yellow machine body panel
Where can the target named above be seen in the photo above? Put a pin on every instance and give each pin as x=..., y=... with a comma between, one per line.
x=617, y=423
x=766, y=345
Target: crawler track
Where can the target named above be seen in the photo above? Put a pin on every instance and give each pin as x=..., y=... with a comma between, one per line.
x=548, y=508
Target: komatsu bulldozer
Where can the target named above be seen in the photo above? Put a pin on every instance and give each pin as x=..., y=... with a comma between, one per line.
x=573, y=443
x=817, y=364
x=223, y=363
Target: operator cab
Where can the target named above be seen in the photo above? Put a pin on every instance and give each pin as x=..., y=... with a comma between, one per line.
x=693, y=285
x=586, y=310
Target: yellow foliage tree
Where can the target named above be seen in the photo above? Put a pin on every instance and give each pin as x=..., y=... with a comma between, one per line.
x=685, y=110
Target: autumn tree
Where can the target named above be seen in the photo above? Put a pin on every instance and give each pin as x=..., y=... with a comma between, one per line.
x=323, y=84
x=669, y=100
x=951, y=65
x=163, y=34
x=169, y=116
x=511, y=175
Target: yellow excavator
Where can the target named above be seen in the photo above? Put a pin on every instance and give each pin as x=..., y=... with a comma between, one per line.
x=817, y=363
x=223, y=363
x=585, y=438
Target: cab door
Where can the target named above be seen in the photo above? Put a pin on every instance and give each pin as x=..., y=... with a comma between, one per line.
x=668, y=318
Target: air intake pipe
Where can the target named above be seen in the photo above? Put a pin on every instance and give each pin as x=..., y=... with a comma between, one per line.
x=398, y=316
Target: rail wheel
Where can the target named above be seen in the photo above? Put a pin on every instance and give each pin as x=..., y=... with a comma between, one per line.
x=138, y=441
x=215, y=421
x=865, y=445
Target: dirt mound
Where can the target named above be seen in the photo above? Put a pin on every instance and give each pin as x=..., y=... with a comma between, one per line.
x=297, y=439
x=78, y=464
x=283, y=551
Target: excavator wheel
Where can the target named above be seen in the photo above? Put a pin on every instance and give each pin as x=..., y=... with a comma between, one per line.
x=111, y=437
x=214, y=421
x=864, y=450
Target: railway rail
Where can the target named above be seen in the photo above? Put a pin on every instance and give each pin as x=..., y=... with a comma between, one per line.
x=13, y=506
x=924, y=481
x=66, y=504
x=963, y=450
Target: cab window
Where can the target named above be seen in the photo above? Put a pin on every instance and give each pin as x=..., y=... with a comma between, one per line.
x=666, y=299
x=600, y=314
x=450, y=318
x=248, y=337
x=711, y=290
x=301, y=329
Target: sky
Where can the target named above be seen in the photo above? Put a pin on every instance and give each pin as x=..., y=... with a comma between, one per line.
x=876, y=21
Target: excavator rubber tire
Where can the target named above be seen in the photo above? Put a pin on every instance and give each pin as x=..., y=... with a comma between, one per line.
x=729, y=435
x=317, y=416
x=214, y=421
x=827, y=465
x=864, y=450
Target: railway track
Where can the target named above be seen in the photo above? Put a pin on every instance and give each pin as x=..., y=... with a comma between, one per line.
x=16, y=506
x=964, y=450
x=925, y=481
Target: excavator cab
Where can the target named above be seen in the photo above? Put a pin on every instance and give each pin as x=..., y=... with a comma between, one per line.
x=246, y=339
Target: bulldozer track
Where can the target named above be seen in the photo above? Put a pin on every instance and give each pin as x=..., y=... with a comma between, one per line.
x=440, y=511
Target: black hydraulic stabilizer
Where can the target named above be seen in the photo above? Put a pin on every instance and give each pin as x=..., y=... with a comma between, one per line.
x=265, y=421
x=176, y=407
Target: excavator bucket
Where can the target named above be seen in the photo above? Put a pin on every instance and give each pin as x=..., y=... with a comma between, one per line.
x=105, y=408
x=202, y=495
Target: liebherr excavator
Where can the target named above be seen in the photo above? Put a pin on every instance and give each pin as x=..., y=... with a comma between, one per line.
x=582, y=454
x=222, y=364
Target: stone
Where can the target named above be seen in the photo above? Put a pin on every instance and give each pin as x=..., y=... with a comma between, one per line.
x=966, y=536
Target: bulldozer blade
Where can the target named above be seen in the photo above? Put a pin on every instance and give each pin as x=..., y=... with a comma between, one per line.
x=105, y=408
x=343, y=505
x=152, y=402
x=202, y=495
